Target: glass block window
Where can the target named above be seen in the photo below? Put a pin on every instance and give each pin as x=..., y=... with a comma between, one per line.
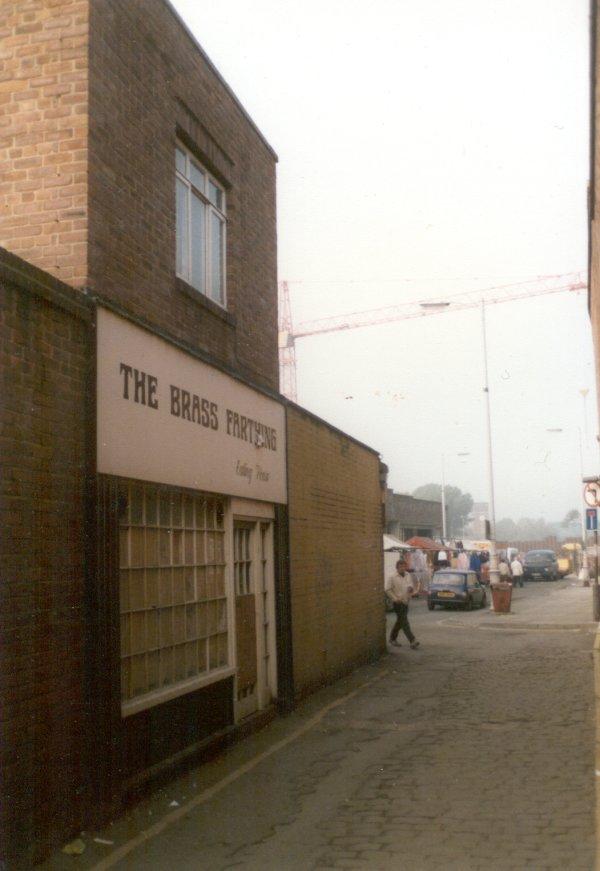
x=172, y=590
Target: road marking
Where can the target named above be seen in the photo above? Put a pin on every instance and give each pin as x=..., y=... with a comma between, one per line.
x=111, y=860
x=457, y=623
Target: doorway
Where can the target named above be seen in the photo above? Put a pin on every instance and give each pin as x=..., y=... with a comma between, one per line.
x=254, y=615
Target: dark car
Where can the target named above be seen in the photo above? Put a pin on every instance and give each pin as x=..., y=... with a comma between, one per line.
x=454, y=587
x=540, y=565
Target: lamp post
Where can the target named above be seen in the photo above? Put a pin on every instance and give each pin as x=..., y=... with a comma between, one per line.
x=444, y=527
x=494, y=573
x=584, y=574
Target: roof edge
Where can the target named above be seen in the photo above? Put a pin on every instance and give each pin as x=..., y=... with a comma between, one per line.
x=331, y=426
x=220, y=77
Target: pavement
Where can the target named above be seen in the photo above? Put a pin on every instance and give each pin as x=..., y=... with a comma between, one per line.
x=476, y=751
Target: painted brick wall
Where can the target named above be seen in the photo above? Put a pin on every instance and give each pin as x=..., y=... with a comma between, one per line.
x=148, y=80
x=43, y=134
x=42, y=394
x=336, y=555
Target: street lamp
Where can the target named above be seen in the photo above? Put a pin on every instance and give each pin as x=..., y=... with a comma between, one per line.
x=584, y=574
x=494, y=573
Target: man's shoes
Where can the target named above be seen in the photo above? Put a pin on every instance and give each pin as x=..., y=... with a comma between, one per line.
x=414, y=645
x=395, y=643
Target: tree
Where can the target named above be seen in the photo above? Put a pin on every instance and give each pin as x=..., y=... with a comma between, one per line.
x=570, y=517
x=458, y=505
x=524, y=529
x=506, y=529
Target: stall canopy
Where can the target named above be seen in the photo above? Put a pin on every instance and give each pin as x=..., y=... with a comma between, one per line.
x=423, y=543
x=390, y=542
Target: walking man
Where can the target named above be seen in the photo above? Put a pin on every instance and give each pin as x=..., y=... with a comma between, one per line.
x=516, y=568
x=400, y=590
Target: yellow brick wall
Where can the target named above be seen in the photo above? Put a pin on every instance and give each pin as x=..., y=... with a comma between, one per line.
x=43, y=134
x=336, y=552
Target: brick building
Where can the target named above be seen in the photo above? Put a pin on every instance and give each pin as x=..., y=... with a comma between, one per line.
x=148, y=603
x=336, y=555
x=594, y=191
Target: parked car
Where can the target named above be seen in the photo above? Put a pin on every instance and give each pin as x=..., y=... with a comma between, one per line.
x=540, y=565
x=453, y=587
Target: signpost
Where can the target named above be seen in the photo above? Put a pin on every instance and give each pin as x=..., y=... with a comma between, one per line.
x=591, y=495
x=591, y=519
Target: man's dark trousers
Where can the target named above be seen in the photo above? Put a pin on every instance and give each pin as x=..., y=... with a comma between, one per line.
x=401, y=610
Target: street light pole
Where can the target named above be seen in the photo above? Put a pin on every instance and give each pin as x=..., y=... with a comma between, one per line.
x=444, y=528
x=494, y=573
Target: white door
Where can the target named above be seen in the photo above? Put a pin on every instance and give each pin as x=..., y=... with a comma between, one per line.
x=254, y=615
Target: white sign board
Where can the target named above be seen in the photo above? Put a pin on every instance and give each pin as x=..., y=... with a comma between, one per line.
x=165, y=416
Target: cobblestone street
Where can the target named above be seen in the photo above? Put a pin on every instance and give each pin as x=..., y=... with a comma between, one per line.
x=474, y=752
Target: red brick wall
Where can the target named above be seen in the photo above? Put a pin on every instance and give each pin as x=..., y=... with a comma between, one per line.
x=336, y=552
x=43, y=364
x=147, y=77
x=43, y=134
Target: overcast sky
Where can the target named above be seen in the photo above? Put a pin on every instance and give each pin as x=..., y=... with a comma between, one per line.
x=426, y=148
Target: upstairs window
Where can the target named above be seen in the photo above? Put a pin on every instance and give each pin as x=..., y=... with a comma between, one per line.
x=200, y=227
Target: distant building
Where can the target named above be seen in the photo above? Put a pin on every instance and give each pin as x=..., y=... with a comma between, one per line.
x=406, y=516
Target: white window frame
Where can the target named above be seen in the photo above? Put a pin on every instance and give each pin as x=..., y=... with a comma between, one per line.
x=212, y=209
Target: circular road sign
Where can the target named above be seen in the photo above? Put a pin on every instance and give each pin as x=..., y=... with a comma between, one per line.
x=591, y=494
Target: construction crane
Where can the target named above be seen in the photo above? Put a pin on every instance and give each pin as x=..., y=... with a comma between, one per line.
x=288, y=335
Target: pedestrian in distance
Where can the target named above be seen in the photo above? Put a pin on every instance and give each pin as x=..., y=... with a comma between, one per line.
x=475, y=564
x=516, y=568
x=504, y=570
x=463, y=561
x=401, y=588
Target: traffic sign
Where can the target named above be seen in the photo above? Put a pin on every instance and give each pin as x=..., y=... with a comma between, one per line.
x=591, y=519
x=591, y=494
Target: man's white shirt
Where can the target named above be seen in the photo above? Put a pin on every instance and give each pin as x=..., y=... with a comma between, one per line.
x=399, y=587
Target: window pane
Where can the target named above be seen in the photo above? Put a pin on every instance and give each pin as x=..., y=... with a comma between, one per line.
x=181, y=229
x=180, y=161
x=198, y=236
x=197, y=177
x=173, y=613
x=216, y=257
x=215, y=195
